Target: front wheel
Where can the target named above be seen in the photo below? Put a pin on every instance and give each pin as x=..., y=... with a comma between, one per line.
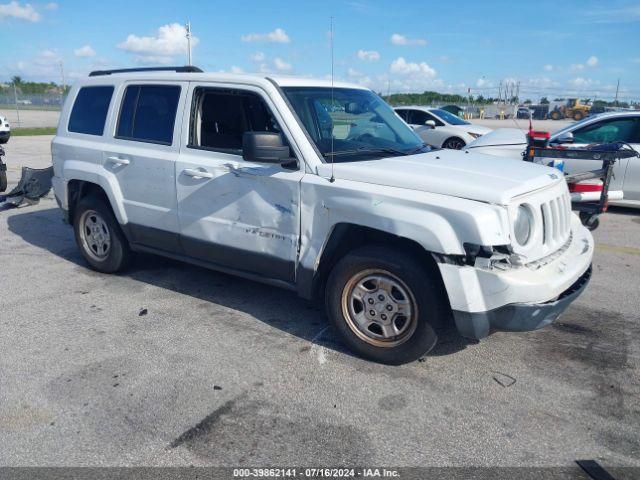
x=385, y=305
x=454, y=143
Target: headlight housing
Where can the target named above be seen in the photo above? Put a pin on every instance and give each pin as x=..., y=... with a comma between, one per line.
x=523, y=225
x=474, y=135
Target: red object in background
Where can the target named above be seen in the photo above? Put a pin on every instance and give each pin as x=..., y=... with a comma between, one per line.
x=585, y=187
x=539, y=135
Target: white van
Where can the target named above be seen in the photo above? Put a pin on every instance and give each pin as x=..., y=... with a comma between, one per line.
x=320, y=189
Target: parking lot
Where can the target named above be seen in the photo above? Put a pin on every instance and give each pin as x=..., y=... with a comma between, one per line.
x=171, y=364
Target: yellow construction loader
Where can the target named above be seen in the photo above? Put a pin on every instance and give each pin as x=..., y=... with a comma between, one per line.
x=572, y=109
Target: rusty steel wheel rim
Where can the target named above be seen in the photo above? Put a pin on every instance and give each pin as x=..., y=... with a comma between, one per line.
x=379, y=308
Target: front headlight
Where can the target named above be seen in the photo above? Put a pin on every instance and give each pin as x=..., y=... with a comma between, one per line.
x=523, y=225
x=474, y=135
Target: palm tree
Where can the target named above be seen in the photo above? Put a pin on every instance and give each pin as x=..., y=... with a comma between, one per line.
x=16, y=80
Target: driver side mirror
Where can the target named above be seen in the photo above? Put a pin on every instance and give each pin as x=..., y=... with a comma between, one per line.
x=430, y=123
x=566, y=137
x=264, y=147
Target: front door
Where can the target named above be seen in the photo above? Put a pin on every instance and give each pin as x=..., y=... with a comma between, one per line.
x=233, y=213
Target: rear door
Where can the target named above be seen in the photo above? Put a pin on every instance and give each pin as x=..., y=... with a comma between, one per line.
x=233, y=213
x=141, y=156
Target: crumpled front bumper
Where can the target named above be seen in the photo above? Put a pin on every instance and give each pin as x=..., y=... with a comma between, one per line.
x=518, y=317
x=521, y=298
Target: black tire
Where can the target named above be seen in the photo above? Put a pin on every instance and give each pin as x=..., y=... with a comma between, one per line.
x=454, y=143
x=432, y=310
x=118, y=255
x=555, y=115
x=590, y=221
x=578, y=116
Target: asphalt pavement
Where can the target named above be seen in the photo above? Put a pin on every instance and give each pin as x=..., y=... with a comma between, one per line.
x=171, y=364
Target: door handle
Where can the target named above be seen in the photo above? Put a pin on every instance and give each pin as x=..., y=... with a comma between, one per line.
x=192, y=172
x=118, y=160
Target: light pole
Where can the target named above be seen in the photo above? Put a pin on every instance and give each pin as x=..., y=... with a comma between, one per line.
x=188, y=27
x=15, y=97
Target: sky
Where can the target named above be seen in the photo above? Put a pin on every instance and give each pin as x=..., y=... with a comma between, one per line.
x=551, y=48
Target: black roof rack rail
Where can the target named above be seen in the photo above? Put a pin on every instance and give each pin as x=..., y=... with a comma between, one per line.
x=185, y=69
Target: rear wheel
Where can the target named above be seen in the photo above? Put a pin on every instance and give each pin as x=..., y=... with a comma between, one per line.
x=577, y=116
x=454, y=143
x=99, y=235
x=385, y=305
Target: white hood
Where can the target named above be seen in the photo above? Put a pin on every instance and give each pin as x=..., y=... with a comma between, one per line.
x=483, y=178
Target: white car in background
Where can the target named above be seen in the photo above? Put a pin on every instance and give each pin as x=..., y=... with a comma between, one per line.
x=603, y=128
x=440, y=128
x=5, y=130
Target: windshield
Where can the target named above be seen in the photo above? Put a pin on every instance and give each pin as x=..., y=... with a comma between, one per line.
x=449, y=117
x=352, y=124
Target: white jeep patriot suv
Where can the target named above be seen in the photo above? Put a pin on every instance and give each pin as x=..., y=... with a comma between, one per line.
x=320, y=189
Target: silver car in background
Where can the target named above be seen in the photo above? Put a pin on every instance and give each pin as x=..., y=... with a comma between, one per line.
x=604, y=128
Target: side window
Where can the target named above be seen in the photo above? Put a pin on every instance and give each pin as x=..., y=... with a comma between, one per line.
x=148, y=113
x=619, y=130
x=220, y=117
x=90, y=109
x=403, y=114
x=417, y=117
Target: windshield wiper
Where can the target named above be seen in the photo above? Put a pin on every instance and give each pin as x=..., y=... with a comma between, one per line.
x=357, y=151
x=420, y=149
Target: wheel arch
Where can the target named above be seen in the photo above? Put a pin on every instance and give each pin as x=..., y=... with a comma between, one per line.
x=346, y=237
x=454, y=137
x=78, y=189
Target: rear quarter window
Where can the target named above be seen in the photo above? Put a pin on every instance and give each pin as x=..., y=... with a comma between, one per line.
x=89, y=112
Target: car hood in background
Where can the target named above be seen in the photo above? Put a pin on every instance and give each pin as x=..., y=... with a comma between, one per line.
x=499, y=137
x=475, y=129
x=478, y=177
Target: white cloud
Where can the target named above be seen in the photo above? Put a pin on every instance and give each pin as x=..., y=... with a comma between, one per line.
x=352, y=72
x=277, y=36
x=170, y=40
x=401, y=67
x=235, y=69
x=369, y=55
x=258, y=57
x=281, y=65
x=548, y=68
x=592, y=61
x=85, y=51
x=580, y=82
x=576, y=67
x=17, y=10
x=51, y=6
x=483, y=82
x=540, y=82
x=397, y=39
x=152, y=60
x=48, y=55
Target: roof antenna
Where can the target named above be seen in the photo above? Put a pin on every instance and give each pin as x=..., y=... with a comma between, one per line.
x=333, y=178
